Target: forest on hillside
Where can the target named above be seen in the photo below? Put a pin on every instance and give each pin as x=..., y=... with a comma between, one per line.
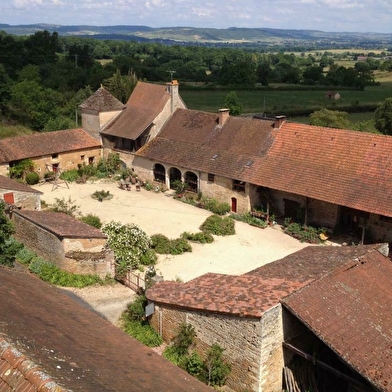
x=44, y=76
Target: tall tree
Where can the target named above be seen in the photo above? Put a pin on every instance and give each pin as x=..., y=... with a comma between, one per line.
x=233, y=104
x=383, y=117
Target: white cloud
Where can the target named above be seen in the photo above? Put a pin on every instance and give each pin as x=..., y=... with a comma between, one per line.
x=327, y=15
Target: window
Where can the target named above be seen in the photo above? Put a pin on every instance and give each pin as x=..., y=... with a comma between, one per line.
x=91, y=160
x=238, y=186
x=82, y=157
x=211, y=177
x=55, y=156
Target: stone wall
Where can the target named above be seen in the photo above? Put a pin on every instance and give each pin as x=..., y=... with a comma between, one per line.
x=271, y=355
x=240, y=337
x=91, y=123
x=24, y=200
x=67, y=160
x=83, y=256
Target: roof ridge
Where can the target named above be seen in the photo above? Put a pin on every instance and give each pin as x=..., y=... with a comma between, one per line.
x=28, y=371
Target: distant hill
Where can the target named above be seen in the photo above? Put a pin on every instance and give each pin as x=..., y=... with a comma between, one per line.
x=233, y=35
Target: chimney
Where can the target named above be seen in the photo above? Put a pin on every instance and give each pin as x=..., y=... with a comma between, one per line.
x=172, y=89
x=279, y=120
x=223, y=116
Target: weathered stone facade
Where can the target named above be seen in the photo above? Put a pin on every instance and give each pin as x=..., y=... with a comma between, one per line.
x=75, y=255
x=23, y=200
x=93, y=121
x=253, y=346
x=67, y=160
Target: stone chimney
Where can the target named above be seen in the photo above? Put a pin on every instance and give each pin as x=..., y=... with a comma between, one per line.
x=279, y=120
x=223, y=116
x=172, y=89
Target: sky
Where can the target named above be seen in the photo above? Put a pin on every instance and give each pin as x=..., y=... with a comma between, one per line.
x=326, y=15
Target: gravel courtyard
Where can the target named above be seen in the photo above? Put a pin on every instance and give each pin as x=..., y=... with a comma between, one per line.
x=157, y=213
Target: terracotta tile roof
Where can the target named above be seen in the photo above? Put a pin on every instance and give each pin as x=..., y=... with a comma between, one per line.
x=60, y=224
x=78, y=348
x=312, y=262
x=195, y=140
x=243, y=296
x=46, y=143
x=145, y=103
x=18, y=373
x=251, y=294
x=102, y=101
x=12, y=185
x=342, y=167
x=350, y=311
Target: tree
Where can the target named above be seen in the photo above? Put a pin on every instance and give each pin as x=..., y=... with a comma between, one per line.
x=383, y=117
x=330, y=118
x=233, y=104
x=121, y=86
x=8, y=247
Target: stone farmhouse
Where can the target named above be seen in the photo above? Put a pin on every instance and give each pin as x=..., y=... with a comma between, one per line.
x=126, y=128
x=72, y=245
x=51, y=343
x=50, y=151
x=323, y=311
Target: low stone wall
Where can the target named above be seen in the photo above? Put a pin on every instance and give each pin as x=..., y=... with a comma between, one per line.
x=75, y=255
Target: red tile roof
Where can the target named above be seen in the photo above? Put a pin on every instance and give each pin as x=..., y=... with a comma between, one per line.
x=350, y=311
x=342, y=167
x=144, y=105
x=78, y=348
x=18, y=373
x=46, y=143
x=102, y=101
x=12, y=185
x=60, y=224
x=250, y=295
x=195, y=140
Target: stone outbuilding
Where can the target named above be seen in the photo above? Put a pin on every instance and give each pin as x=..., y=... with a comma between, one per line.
x=65, y=241
x=19, y=195
x=244, y=314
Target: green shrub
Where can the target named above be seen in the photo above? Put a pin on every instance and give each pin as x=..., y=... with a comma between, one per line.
x=149, y=257
x=160, y=243
x=215, y=206
x=216, y=370
x=134, y=323
x=50, y=273
x=163, y=245
x=304, y=233
x=201, y=237
x=92, y=220
x=66, y=206
x=128, y=242
x=250, y=220
x=70, y=175
x=218, y=225
x=142, y=332
x=179, y=246
x=25, y=256
x=32, y=178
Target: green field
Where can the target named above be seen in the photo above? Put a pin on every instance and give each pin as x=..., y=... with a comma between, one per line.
x=287, y=101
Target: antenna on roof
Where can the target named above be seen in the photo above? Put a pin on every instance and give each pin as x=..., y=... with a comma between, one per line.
x=171, y=74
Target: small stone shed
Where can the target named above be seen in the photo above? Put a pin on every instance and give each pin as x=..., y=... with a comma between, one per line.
x=243, y=314
x=20, y=195
x=65, y=241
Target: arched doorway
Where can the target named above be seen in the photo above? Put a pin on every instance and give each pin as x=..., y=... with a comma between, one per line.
x=233, y=204
x=174, y=175
x=159, y=173
x=191, y=180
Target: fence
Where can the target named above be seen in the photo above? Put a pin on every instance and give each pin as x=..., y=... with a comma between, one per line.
x=130, y=279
